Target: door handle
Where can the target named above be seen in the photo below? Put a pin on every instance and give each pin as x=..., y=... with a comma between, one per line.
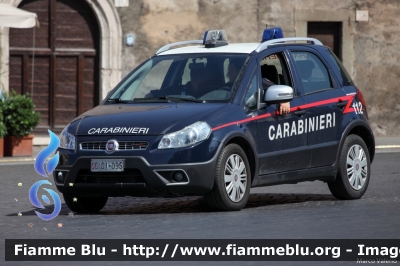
x=300, y=112
x=341, y=104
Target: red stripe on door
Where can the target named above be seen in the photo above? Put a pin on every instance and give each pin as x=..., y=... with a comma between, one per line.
x=347, y=109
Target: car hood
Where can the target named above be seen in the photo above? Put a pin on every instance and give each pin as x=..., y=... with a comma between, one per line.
x=140, y=119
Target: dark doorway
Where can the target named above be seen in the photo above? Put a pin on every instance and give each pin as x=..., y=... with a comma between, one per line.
x=329, y=33
x=66, y=63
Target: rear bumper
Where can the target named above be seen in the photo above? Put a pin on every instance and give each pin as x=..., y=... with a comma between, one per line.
x=139, y=178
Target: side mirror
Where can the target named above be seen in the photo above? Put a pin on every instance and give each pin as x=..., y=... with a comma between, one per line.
x=278, y=94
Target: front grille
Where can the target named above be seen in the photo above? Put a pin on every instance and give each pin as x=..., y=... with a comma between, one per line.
x=128, y=176
x=123, y=145
x=133, y=145
x=93, y=146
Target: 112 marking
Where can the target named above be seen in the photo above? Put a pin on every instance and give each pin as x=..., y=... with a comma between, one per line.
x=358, y=107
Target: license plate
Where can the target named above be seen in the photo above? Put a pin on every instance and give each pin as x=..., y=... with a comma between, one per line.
x=107, y=165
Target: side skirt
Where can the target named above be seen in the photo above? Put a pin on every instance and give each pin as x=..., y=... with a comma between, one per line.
x=326, y=173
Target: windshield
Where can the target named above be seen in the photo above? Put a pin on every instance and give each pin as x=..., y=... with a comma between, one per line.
x=195, y=78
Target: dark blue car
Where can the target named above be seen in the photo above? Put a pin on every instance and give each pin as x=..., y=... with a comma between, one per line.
x=200, y=120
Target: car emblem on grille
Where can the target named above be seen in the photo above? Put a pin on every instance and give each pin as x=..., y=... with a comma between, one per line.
x=111, y=146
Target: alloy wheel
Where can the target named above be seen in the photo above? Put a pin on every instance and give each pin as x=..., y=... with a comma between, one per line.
x=235, y=177
x=357, y=167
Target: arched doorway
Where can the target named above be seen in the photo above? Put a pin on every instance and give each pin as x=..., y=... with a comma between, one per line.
x=66, y=63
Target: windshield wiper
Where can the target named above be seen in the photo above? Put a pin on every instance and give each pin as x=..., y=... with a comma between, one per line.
x=167, y=99
x=182, y=99
x=150, y=100
x=118, y=100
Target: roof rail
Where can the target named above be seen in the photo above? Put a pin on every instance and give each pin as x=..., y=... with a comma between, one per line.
x=265, y=45
x=167, y=47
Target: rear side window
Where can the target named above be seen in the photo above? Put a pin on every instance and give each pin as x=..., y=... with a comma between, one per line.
x=346, y=79
x=313, y=73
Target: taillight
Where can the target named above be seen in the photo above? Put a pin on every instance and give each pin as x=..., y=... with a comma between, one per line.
x=361, y=98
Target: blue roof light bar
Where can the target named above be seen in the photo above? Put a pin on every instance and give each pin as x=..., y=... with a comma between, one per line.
x=272, y=33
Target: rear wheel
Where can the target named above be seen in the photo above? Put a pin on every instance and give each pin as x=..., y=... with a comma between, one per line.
x=231, y=181
x=354, y=170
x=85, y=204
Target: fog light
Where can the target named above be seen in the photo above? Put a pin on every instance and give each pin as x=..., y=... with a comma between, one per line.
x=60, y=177
x=178, y=176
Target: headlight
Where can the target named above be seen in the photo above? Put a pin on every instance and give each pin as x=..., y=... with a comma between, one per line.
x=67, y=140
x=188, y=136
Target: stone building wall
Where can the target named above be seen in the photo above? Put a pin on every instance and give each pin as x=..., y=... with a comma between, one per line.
x=372, y=56
x=371, y=50
x=377, y=65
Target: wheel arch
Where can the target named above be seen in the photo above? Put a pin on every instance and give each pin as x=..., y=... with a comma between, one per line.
x=245, y=144
x=368, y=139
x=361, y=129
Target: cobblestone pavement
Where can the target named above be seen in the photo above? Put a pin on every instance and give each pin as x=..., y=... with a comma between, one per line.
x=305, y=210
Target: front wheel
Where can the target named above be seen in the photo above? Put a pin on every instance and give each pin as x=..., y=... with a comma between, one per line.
x=232, y=180
x=85, y=204
x=354, y=170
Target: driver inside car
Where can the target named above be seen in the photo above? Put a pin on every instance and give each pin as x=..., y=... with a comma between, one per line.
x=233, y=71
x=198, y=84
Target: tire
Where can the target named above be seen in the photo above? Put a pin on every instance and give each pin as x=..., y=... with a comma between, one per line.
x=232, y=180
x=354, y=170
x=85, y=204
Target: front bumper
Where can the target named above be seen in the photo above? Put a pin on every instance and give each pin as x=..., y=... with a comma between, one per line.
x=140, y=178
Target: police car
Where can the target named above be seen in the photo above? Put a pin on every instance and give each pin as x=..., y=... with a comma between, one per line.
x=196, y=120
